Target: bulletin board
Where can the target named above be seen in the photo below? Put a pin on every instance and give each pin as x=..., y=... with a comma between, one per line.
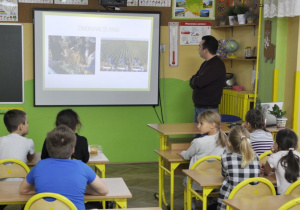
x=11, y=64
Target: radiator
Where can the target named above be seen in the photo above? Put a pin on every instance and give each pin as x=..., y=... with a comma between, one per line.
x=236, y=103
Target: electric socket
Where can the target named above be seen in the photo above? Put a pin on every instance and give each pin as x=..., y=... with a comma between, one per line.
x=162, y=47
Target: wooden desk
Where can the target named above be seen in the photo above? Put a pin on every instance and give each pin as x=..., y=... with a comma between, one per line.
x=175, y=160
x=209, y=179
x=98, y=161
x=259, y=203
x=118, y=192
x=165, y=130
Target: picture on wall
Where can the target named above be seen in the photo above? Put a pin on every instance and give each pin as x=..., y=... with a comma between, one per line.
x=193, y=9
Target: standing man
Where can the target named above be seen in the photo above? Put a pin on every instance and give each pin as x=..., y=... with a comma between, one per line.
x=208, y=82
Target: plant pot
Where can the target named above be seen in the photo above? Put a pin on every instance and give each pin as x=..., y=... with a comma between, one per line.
x=250, y=20
x=222, y=22
x=232, y=20
x=281, y=122
x=241, y=18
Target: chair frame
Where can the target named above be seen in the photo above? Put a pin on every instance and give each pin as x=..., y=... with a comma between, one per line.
x=15, y=162
x=263, y=155
x=290, y=204
x=58, y=197
x=193, y=193
x=292, y=187
x=248, y=181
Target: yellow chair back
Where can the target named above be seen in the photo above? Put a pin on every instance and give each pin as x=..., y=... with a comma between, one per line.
x=37, y=202
x=264, y=157
x=13, y=168
x=294, y=189
x=208, y=162
x=246, y=189
x=291, y=205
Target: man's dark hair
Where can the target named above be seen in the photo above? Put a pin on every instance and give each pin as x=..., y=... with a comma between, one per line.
x=13, y=118
x=60, y=142
x=210, y=43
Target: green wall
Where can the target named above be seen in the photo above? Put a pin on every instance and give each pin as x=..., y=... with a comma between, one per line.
x=122, y=131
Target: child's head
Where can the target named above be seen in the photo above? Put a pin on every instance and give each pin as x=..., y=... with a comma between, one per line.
x=209, y=122
x=60, y=142
x=16, y=121
x=255, y=119
x=238, y=143
x=287, y=140
x=69, y=118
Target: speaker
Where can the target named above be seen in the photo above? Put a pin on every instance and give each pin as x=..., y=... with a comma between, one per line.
x=114, y=3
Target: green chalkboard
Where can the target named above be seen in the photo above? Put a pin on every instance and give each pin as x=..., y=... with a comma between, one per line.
x=11, y=63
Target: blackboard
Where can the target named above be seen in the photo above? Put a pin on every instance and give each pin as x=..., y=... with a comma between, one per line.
x=11, y=63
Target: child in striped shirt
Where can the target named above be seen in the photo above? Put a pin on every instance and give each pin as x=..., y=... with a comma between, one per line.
x=260, y=139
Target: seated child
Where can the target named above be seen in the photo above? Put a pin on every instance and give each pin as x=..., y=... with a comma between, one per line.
x=214, y=143
x=238, y=164
x=285, y=160
x=71, y=119
x=16, y=145
x=59, y=174
x=260, y=139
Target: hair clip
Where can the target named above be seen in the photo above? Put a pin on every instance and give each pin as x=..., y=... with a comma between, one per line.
x=291, y=149
x=243, y=137
x=220, y=127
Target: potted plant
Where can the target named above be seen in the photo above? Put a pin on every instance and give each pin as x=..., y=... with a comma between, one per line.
x=240, y=10
x=222, y=19
x=231, y=15
x=278, y=113
x=250, y=16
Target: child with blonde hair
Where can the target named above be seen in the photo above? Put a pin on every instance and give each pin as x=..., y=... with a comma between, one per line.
x=214, y=143
x=238, y=164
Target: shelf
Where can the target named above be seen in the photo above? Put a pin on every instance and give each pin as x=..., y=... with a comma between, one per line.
x=234, y=26
x=240, y=59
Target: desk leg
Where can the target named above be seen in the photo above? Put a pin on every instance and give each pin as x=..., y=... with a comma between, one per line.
x=173, y=167
x=206, y=192
x=163, y=139
x=121, y=202
x=100, y=168
x=188, y=195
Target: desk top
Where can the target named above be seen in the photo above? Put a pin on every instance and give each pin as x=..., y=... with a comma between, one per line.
x=94, y=159
x=171, y=155
x=9, y=191
x=213, y=177
x=182, y=128
x=259, y=203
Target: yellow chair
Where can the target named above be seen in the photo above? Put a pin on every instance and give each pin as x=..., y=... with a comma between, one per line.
x=246, y=189
x=37, y=202
x=202, y=164
x=291, y=205
x=13, y=168
x=264, y=157
x=294, y=189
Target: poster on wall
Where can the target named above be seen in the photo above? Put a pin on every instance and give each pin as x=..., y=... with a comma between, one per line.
x=73, y=2
x=193, y=9
x=8, y=10
x=155, y=3
x=37, y=1
x=191, y=33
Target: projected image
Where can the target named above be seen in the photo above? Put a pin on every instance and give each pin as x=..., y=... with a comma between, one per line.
x=71, y=55
x=124, y=55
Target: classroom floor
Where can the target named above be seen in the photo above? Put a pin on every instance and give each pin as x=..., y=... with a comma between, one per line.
x=142, y=181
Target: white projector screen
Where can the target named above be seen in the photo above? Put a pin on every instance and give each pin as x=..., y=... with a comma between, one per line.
x=96, y=57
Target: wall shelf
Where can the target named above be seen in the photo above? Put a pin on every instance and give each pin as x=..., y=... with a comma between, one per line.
x=240, y=59
x=234, y=26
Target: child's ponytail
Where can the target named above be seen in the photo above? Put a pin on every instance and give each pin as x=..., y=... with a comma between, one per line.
x=238, y=138
x=287, y=140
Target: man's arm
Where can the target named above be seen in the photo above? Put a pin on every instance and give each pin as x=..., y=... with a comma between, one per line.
x=97, y=187
x=26, y=188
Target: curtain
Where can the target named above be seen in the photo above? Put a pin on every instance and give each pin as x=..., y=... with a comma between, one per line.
x=281, y=8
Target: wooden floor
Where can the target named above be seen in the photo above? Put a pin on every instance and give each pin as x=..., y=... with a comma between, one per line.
x=142, y=181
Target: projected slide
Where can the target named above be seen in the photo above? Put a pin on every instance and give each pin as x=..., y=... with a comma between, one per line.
x=96, y=57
